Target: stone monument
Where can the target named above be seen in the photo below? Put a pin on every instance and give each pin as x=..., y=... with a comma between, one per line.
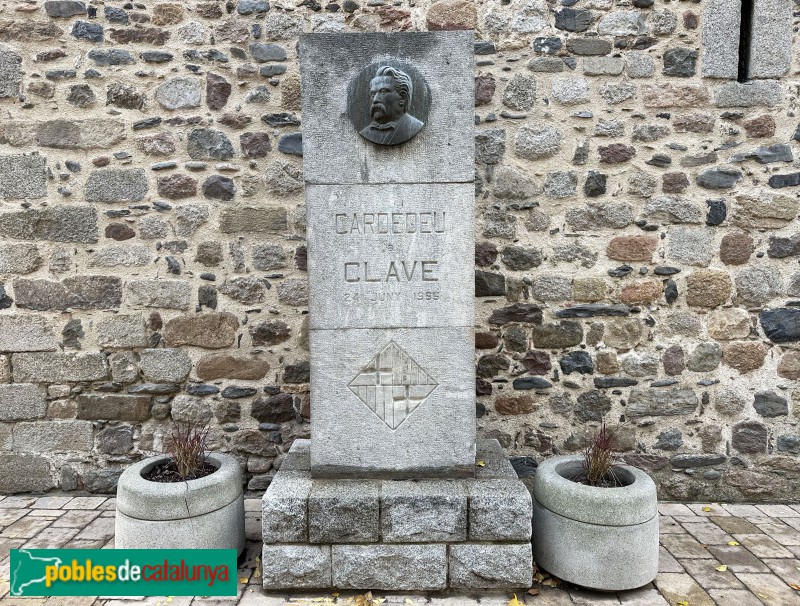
x=391, y=491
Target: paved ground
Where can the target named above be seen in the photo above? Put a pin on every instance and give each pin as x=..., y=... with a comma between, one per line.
x=728, y=555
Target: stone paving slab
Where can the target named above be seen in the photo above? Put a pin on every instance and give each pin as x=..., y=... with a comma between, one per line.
x=711, y=555
x=735, y=596
x=647, y=596
x=708, y=574
x=707, y=533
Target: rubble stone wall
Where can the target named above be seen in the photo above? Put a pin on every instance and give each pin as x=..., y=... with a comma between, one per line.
x=637, y=255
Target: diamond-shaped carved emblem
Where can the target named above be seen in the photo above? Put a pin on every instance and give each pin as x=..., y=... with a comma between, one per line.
x=392, y=385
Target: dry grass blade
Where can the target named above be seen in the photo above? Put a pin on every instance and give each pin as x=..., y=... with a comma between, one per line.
x=598, y=458
x=188, y=449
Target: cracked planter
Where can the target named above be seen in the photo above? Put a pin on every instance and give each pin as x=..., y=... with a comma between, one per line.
x=602, y=538
x=206, y=513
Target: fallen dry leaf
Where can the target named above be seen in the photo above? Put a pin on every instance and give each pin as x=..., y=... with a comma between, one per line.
x=515, y=602
x=551, y=582
x=733, y=543
x=533, y=591
x=684, y=603
x=365, y=599
x=721, y=568
x=794, y=586
x=480, y=463
x=706, y=509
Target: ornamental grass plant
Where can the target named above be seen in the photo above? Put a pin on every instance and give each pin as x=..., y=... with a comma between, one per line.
x=187, y=455
x=598, y=459
x=188, y=450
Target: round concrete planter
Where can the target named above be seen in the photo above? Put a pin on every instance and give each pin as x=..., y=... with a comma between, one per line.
x=602, y=538
x=206, y=513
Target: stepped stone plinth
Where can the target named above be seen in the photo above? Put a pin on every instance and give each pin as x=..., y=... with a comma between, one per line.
x=429, y=534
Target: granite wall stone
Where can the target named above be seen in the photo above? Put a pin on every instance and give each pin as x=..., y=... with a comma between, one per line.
x=24, y=175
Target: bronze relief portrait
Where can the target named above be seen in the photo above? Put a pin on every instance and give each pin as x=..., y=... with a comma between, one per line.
x=388, y=102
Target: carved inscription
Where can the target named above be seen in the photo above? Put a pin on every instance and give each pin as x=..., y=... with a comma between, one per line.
x=392, y=385
x=377, y=298
x=391, y=223
x=391, y=271
x=397, y=271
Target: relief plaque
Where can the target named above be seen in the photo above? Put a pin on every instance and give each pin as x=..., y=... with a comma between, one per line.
x=388, y=102
x=392, y=385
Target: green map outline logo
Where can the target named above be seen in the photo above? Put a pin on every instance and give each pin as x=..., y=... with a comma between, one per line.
x=122, y=572
x=15, y=588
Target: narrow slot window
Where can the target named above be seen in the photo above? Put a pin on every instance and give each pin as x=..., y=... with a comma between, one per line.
x=745, y=40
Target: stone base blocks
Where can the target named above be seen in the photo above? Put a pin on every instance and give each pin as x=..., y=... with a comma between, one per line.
x=397, y=535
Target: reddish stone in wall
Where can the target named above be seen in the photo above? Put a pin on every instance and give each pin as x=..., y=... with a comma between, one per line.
x=744, y=356
x=641, y=292
x=147, y=35
x=226, y=366
x=708, y=288
x=451, y=15
x=177, y=186
x=674, y=95
x=395, y=19
x=789, y=366
x=632, y=248
x=514, y=405
x=270, y=333
x=209, y=10
x=736, y=248
x=234, y=120
x=485, y=254
x=167, y=14
x=120, y=232
x=484, y=89
x=673, y=360
x=210, y=331
x=218, y=89
x=674, y=183
x=750, y=437
x=537, y=362
x=763, y=126
x=616, y=153
x=486, y=340
x=255, y=145
x=694, y=123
